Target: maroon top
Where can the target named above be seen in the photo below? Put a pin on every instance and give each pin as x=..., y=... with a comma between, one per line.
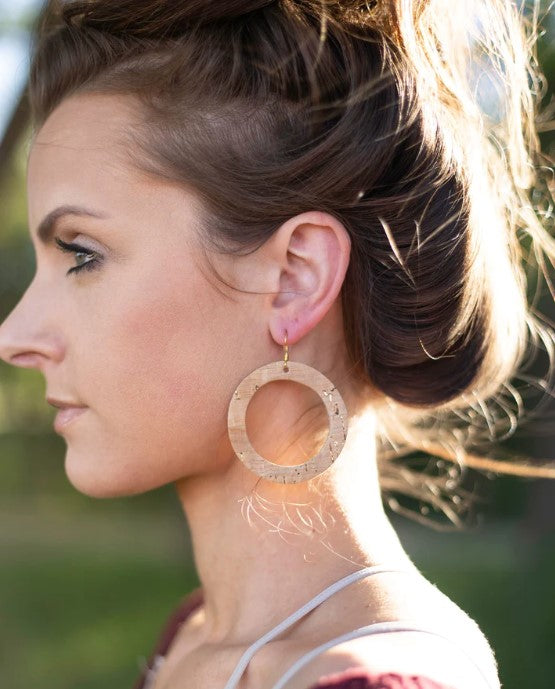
x=354, y=678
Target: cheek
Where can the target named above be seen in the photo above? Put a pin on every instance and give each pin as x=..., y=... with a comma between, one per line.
x=163, y=367
x=158, y=341
x=157, y=367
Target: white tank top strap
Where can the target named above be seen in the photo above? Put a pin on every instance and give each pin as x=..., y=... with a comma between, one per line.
x=376, y=628
x=300, y=612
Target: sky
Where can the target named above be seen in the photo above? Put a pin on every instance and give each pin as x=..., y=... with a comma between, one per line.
x=14, y=56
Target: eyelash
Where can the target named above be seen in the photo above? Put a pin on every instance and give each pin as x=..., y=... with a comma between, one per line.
x=77, y=249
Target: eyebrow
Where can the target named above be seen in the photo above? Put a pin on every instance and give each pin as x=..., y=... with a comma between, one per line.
x=48, y=224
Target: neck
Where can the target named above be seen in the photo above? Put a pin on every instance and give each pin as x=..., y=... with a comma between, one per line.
x=263, y=549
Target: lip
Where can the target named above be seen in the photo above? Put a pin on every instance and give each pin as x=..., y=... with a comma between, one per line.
x=62, y=403
x=67, y=415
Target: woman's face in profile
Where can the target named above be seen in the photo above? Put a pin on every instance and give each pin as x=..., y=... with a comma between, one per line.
x=142, y=339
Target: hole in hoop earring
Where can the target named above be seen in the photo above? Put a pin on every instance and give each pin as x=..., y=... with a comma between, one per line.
x=305, y=431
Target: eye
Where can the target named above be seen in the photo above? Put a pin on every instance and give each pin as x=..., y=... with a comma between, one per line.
x=92, y=263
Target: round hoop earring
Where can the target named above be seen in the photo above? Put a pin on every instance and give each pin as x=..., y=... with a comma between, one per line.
x=300, y=373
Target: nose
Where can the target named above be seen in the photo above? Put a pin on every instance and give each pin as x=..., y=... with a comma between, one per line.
x=27, y=339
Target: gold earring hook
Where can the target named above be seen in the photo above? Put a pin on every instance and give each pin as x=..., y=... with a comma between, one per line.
x=285, y=354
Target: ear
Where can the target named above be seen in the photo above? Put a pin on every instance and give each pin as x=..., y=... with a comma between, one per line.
x=311, y=253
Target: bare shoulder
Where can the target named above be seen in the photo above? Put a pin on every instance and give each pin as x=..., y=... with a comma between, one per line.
x=400, y=653
x=454, y=652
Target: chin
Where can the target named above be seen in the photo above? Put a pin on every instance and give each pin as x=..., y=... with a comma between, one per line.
x=87, y=476
x=93, y=488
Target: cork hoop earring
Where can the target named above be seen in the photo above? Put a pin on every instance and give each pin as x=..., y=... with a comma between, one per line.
x=300, y=373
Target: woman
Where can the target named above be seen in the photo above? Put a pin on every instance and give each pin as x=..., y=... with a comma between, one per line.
x=292, y=204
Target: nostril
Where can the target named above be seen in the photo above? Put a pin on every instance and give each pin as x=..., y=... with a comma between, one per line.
x=26, y=360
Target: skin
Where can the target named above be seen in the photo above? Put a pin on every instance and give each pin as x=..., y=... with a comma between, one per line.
x=155, y=348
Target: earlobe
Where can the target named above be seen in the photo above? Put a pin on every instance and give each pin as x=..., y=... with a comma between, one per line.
x=316, y=252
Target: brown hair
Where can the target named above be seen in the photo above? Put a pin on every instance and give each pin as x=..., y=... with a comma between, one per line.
x=365, y=110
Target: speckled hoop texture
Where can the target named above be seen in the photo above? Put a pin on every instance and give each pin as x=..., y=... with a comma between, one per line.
x=337, y=418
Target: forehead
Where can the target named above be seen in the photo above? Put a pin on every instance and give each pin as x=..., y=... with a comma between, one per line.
x=85, y=122
x=80, y=148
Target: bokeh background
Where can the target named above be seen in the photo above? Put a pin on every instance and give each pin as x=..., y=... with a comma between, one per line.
x=86, y=584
